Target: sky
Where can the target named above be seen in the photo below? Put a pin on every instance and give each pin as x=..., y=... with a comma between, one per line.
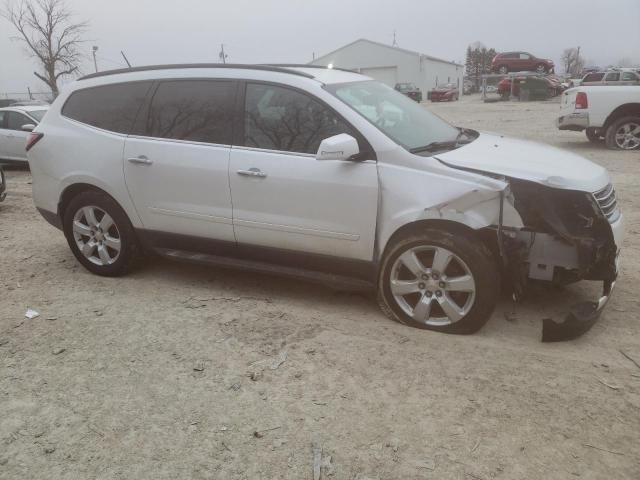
x=291, y=31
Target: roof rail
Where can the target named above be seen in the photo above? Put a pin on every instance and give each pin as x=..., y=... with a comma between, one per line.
x=306, y=65
x=269, y=68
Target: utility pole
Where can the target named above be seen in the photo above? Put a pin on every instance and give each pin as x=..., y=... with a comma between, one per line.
x=95, y=62
x=395, y=44
x=125, y=58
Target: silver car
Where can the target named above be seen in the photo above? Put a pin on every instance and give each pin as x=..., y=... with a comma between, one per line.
x=15, y=124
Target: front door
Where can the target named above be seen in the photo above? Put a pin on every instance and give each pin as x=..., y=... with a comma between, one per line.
x=13, y=138
x=282, y=196
x=177, y=162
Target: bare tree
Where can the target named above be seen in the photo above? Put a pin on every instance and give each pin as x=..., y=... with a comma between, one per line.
x=573, y=61
x=47, y=29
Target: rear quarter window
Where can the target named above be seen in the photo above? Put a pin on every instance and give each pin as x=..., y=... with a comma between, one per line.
x=110, y=107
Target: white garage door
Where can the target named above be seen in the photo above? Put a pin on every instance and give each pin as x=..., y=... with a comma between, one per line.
x=388, y=75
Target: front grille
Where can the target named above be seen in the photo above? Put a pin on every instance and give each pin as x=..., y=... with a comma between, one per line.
x=608, y=203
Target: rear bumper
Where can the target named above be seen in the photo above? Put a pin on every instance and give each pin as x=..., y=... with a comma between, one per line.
x=573, y=121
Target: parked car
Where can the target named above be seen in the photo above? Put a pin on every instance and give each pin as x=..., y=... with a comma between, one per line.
x=520, y=62
x=3, y=186
x=612, y=77
x=610, y=115
x=590, y=69
x=445, y=93
x=410, y=90
x=554, y=87
x=334, y=177
x=15, y=124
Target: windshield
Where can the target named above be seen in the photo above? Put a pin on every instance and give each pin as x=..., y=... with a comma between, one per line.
x=37, y=114
x=400, y=118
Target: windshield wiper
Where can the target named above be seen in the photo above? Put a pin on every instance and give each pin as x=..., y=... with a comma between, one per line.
x=436, y=146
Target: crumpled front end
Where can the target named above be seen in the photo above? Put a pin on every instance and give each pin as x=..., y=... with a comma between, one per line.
x=568, y=236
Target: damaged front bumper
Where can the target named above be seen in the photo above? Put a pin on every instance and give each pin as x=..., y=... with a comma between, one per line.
x=570, y=236
x=579, y=320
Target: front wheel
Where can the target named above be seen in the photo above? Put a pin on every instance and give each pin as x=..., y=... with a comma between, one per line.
x=503, y=70
x=624, y=133
x=99, y=234
x=439, y=281
x=541, y=69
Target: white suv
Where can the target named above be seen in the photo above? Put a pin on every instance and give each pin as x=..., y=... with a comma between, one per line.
x=322, y=174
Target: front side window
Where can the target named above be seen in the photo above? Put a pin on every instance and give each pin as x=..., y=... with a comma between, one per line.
x=279, y=118
x=525, y=56
x=3, y=116
x=17, y=120
x=629, y=76
x=110, y=107
x=397, y=116
x=191, y=110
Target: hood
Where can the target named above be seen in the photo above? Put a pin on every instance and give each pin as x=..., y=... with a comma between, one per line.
x=527, y=160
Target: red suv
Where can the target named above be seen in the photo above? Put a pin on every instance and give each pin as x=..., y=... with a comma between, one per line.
x=520, y=62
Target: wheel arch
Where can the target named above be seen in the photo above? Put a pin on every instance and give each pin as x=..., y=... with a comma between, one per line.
x=621, y=111
x=74, y=189
x=483, y=235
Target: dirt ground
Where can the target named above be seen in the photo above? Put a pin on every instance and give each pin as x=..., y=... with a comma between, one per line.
x=179, y=371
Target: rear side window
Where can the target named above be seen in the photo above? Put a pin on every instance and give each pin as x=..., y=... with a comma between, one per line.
x=192, y=110
x=629, y=76
x=612, y=77
x=111, y=107
x=278, y=118
x=593, y=77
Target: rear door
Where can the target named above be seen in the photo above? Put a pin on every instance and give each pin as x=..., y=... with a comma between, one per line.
x=176, y=161
x=282, y=196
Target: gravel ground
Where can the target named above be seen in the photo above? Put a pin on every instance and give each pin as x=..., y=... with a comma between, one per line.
x=179, y=371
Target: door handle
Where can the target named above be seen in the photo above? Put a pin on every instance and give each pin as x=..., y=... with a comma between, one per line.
x=252, y=172
x=140, y=160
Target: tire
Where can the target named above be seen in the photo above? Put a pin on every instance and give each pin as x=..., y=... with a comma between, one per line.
x=503, y=69
x=469, y=258
x=594, y=135
x=624, y=133
x=541, y=68
x=111, y=251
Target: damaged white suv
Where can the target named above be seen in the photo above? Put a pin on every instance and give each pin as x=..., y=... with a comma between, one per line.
x=325, y=175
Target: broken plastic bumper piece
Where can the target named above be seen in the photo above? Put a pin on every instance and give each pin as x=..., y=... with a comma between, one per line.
x=579, y=320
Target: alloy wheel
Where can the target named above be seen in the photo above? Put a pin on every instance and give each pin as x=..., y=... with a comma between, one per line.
x=432, y=285
x=96, y=235
x=627, y=136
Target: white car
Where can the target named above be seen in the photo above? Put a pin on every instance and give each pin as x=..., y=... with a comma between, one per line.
x=15, y=124
x=320, y=174
x=610, y=115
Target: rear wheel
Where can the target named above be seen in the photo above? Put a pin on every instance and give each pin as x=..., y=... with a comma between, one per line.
x=624, y=133
x=594, y=135
x=439, y=281
x=99, y=234
x=503, y=69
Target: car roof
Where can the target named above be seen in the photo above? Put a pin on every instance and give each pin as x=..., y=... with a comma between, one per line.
x=319, y=73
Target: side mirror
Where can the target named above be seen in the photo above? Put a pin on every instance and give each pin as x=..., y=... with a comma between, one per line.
x=338, y=147
x=28, y=127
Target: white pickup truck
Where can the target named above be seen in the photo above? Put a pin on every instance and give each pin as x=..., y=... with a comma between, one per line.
x=606, y=113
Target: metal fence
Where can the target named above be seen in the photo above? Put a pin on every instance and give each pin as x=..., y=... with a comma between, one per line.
x=8, y=97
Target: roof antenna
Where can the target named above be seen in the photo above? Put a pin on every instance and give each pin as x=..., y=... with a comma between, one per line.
x=395, y=44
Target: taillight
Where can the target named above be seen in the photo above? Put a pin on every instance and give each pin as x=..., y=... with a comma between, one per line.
x=581, y=101
x=34, y=137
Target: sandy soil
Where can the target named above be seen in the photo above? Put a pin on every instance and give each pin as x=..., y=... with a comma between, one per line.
x=174, y=371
